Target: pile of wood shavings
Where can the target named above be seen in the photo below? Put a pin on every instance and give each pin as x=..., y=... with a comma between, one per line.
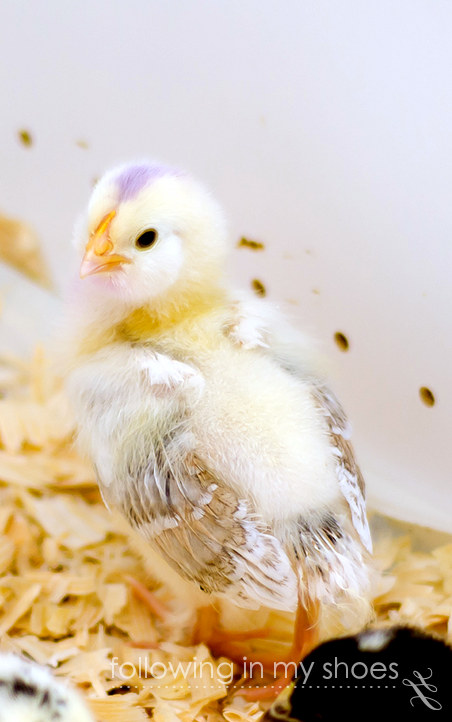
x=416, y=586
x=64, y=598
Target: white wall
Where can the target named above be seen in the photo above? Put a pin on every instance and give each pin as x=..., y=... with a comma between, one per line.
x=325, y=128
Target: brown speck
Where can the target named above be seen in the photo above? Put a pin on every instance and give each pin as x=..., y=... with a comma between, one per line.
x=341, y=341
x=82, y=144
x=25, y=138
x=316, y=292
x=122, y=689
x=308, y=252
x=258, y=287
x=248, y=243
x=427, y=396
x=94, y=181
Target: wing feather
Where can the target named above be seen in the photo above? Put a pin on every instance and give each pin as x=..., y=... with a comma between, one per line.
x=350, y=479
x=198, y=524
x=351, y=482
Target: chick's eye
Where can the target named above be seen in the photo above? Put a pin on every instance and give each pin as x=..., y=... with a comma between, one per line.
x=146, y=239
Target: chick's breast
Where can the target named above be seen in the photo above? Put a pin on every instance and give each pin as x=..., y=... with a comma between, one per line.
x=258, y=429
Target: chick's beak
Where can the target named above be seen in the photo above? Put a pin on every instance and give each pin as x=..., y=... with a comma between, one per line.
x=99, y=256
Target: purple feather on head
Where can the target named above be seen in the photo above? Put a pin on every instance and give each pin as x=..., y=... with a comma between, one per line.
x=134, y=178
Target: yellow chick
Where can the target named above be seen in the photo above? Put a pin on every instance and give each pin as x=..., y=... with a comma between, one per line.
x=207, y=427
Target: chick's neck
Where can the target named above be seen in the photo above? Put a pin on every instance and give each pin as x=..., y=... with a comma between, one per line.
x=150, y=322
x=146, y=322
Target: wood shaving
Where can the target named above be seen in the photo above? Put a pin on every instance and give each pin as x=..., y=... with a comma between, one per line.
x=21, y=248
x=64, y=596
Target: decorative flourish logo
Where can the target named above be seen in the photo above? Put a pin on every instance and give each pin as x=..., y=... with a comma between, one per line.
x=421, y=687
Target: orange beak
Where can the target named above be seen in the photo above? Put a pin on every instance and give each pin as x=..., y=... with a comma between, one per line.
x=98, y=256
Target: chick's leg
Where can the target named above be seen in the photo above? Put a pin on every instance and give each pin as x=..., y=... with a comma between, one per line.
x=155, y=606
x=304, y=640
x=207, y=629
x=145, y=595
x=220, y=641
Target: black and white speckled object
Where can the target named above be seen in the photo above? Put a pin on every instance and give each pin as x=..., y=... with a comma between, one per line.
x=29, y=693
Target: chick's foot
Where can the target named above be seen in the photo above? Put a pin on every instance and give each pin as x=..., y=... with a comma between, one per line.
x=304, y=640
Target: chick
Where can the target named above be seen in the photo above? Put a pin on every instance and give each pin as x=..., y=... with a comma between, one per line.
x=205, y=421
x=398, y=673
x=29, y=693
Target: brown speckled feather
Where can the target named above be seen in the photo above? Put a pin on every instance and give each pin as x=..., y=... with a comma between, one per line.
x=349, y=475
x=199, y=525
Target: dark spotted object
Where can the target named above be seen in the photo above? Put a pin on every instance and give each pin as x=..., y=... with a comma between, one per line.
x=30, y=693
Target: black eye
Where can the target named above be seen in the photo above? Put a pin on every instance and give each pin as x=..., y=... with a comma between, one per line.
x=146, y=239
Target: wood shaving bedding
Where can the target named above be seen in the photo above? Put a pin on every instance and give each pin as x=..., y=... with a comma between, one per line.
x=64, y=599
x=21, y=248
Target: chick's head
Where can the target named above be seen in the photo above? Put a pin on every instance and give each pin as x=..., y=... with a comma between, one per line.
x=151, y=232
